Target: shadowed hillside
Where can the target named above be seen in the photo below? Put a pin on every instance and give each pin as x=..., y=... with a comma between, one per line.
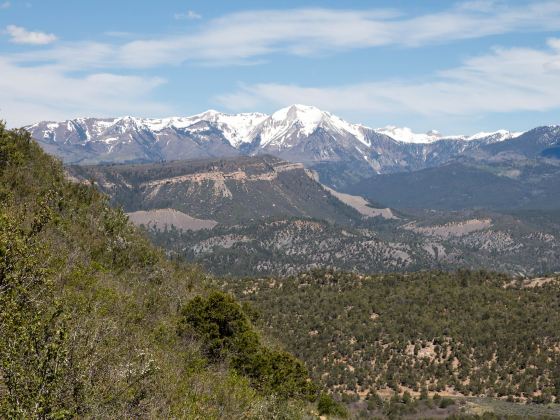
x=228, y=191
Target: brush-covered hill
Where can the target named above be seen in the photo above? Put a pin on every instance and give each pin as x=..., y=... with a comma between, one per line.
x=96, y=323
x=462, y=335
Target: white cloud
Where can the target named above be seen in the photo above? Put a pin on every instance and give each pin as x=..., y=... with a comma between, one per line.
x=43, y=81
x=243, y=37
x=5, y=5
x=507, y=80
x=20, y=35
x=29, y=94
x=188, y=15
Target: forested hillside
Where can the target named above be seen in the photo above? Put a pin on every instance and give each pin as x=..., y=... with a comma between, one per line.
x=460, y=335
x=525, y=243
x=96, y=323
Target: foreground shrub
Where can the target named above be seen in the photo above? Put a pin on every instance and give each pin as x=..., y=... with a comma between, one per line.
x=228, y=335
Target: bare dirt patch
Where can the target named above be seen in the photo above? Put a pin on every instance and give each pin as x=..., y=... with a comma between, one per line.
x=162, y=218
x=362, y=205
x=454, y=229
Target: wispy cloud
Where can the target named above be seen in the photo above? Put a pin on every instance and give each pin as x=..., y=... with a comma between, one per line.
x=5, y=5
x=507, y=80
x=246, y=36
x=28, y=94
x=188, y=15
x=43, y=83
x=20, y=35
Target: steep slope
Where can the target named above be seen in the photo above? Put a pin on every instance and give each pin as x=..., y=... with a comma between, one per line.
x=530, y=145
x=228, y=191
x=97, y=323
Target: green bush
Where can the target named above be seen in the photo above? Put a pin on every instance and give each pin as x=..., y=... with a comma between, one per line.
x=327, y=406
x=445, y=402
x=227, y=334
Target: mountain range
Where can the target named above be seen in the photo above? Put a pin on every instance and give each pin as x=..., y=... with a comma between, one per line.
x=341, y=152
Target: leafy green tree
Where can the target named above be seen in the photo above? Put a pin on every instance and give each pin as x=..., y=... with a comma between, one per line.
x=328, y=406
x=227, y=334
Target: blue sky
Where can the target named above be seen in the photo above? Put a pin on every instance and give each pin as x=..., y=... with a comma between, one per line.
x=460, y=67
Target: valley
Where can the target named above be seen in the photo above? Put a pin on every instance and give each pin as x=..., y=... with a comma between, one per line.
x=261, y=215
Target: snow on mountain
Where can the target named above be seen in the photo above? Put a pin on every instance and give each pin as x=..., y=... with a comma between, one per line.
x=406, y=135
x=301, y=121
x=499, y=135
x=295, y=121
x=298, y=133
x=236, y=128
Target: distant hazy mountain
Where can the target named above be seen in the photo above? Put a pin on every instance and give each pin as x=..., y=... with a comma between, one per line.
x=538, y=142
x=339, y=150
x=505, y=185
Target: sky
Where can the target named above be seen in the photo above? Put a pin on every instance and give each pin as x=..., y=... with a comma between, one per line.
x=458, y=67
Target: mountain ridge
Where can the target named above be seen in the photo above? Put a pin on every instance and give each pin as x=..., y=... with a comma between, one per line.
x=244, y=124
x=341, y=152
x=214, y=134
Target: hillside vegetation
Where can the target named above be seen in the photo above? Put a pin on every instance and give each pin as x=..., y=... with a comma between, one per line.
x=526, y=243
x=460, y=334
x=96, y=323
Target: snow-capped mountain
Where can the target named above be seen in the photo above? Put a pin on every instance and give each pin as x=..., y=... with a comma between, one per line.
x=495, y=136
x=406, y=135
x=297, y=133
x=286, y=125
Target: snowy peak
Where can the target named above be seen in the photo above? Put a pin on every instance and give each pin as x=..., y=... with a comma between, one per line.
x=308, y=117
x=406, y=135
x=499, y=135
x=297, y=132
x=283, y=129
x=294, y=122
